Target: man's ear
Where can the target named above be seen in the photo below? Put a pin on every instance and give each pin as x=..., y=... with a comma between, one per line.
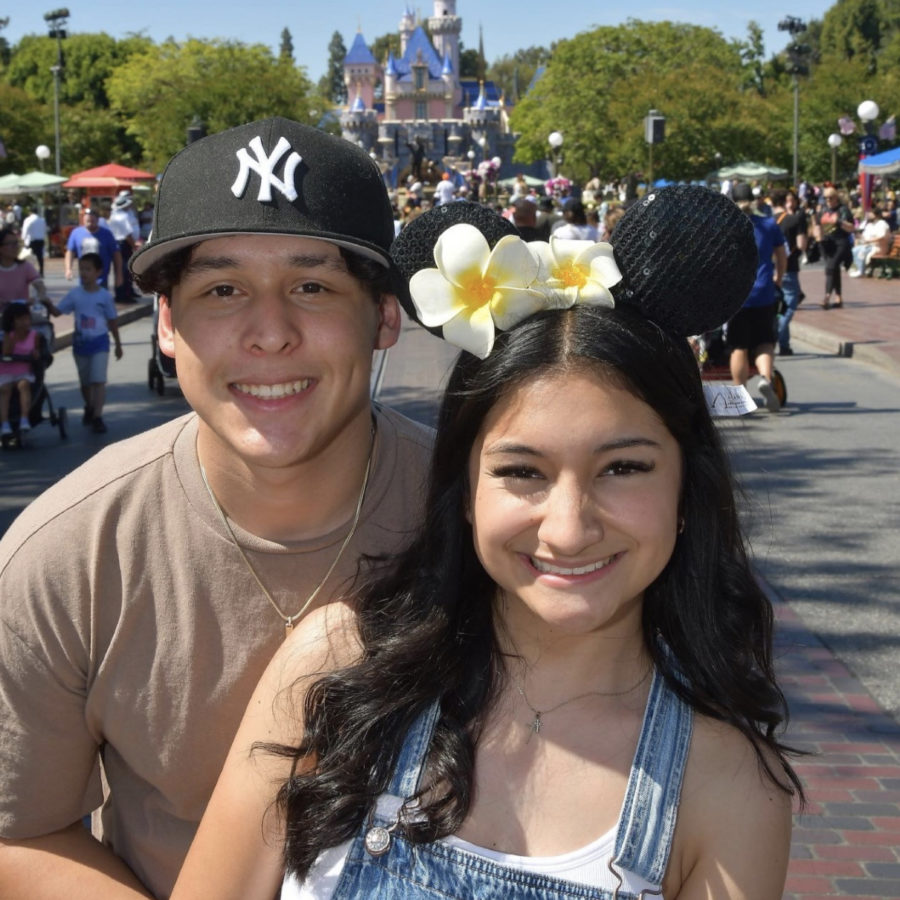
x=389, y=322
x=165, y=330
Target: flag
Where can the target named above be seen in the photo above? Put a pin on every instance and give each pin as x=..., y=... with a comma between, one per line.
x=888, y=131
x=846, y=124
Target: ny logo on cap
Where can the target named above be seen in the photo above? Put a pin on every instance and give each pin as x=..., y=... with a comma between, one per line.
x=264, y=166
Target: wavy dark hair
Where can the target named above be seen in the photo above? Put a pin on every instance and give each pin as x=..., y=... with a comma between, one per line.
x=427, y=627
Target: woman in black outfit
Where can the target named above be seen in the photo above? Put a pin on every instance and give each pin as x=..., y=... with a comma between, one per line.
x=834, y=225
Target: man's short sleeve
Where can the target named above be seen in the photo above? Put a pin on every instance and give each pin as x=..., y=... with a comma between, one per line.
x=49, y=775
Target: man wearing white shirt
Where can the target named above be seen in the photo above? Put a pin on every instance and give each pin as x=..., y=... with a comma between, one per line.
x=34, y=236
x=126, y=230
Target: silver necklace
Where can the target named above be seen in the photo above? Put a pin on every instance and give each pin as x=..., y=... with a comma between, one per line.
x=538, y=721
x=290, y=620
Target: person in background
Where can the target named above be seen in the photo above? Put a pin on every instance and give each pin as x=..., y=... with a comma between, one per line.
x=92, y=237
x=34, y=236
x=834, y=225
x=751, y=332
x=874, y=238
x=18, y=277
x=792, y=222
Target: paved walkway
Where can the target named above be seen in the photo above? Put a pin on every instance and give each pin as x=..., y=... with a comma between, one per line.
x=847, y=841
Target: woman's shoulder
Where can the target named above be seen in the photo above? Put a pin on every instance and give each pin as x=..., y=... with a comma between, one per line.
x=732, y=818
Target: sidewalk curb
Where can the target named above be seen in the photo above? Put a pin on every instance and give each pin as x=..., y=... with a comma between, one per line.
x=839, y=346
x=139, y=310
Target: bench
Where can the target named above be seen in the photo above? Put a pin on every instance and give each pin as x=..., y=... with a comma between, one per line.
x=889, y=262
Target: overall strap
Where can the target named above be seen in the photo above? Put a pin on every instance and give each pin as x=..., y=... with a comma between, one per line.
x=644, y=836
x=408, y=771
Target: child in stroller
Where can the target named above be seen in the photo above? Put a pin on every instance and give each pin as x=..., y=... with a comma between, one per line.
x=20, y=340
x=26, y=353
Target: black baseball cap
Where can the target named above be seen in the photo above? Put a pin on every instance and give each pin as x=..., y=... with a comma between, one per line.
x=274, y=177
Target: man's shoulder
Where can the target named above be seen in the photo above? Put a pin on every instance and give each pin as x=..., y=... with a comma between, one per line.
x=102, y=480
x=405, y=430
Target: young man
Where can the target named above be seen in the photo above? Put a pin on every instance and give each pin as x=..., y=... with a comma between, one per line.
x=145, y=593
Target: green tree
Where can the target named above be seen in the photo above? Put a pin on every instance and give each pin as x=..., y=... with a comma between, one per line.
x=513, y=74
x=332, y=83
x=24, y=123
x=854, y=28
x=225, y=83
x=286, y=51
x=385, y=44
x=599, y=85
x=89, y=60
x=469, y=62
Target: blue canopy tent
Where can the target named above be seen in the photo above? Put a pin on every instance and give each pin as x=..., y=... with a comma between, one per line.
x=881, y=163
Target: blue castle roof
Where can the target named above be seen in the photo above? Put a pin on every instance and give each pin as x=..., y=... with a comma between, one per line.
x=359, y=53
x=418, y=41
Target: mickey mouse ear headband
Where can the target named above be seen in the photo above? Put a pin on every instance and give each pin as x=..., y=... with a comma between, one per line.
x=685, y=256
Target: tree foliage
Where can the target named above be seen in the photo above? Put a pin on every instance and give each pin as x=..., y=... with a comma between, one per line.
x=24, y=123
x=513, y=74
x=331, y=84
x=286, y=49
x=598, y=87
x=159, y=91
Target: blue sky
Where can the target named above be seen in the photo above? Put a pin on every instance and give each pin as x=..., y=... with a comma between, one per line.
x=532, y=22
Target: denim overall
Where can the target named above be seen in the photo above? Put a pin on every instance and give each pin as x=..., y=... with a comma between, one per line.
x=383, y=864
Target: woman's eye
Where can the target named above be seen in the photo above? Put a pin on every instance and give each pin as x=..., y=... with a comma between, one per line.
x=627, y=467
x=516, y=472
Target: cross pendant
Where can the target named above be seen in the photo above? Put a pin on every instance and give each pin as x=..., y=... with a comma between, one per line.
x=536, y=724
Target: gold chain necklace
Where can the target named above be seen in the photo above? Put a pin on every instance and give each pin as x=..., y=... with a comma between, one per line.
x=289, y=620
x=538, y=721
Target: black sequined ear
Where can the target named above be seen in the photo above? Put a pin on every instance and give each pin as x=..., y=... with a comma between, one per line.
x=688, y=258
x=413, y=248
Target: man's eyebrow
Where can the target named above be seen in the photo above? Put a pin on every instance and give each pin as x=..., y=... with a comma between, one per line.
x=298, y=261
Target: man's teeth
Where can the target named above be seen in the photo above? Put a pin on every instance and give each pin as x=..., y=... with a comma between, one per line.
x=542, y=566
x=270, y=391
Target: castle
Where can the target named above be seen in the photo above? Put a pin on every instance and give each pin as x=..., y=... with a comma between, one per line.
x=414, y=113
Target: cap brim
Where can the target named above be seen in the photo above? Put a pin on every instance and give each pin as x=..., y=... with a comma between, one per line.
x=151, y=253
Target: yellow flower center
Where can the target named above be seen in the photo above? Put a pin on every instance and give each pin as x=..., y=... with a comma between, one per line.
x=479, y=291
x=571, y=275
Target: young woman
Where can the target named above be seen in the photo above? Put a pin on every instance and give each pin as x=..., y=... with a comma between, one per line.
x=564, y=687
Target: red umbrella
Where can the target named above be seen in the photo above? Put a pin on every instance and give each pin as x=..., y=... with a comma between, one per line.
x=110, y=176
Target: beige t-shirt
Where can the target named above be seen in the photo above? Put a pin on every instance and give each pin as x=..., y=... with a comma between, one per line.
x=129, y=623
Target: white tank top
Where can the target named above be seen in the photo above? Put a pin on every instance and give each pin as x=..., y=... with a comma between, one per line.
x=587, y=866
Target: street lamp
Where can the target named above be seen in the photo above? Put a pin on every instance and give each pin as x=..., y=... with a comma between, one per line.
x=834, y=141
x=56, y=21
x=797, y=65
x=42, y=152
x=555, y=140
x=868, y=112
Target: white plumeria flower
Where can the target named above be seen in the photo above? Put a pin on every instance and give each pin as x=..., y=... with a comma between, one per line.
x=577, y=271
x=473, y=289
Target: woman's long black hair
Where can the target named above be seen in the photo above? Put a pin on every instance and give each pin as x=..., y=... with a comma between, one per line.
x=427, y=627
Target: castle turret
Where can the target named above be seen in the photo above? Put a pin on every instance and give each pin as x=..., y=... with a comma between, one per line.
x=407, y=27
x=445, y=27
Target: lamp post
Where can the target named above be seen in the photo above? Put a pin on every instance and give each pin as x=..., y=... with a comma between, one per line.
x=555, y=140
x=834, y=141
x=42, y=152
x=56, y=22
x=797, y=65
x=868, y=145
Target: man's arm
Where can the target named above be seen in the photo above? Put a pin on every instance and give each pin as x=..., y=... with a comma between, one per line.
x=69, y=257
x=117, y=266
x=780, y=264
x=68, y=863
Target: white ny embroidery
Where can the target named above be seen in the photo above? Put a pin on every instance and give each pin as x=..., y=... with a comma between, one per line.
x=264, y=166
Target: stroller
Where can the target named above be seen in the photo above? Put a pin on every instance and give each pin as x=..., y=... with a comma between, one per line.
x=40, y=396
x=713, y=354
x=159, y=366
